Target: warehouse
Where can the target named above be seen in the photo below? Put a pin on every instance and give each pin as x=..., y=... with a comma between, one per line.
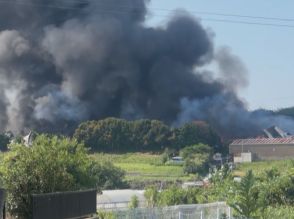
x=264, y=148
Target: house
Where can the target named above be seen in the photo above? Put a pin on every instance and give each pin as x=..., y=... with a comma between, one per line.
x=275, y=132
x=263, y=148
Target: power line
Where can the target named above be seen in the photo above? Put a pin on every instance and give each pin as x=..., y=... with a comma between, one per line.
x=127, y=12
x=192, y=11
x=247, y=22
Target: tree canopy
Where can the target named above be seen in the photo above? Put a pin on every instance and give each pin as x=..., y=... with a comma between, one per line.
x=118, y=135
x=51, y=164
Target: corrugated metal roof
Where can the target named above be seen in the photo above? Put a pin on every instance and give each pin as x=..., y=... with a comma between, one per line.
x=257, y=141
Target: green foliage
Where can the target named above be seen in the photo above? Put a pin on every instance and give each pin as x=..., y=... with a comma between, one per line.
x=277, y=190
x=246, y=195
x=279, y=212
x=194, y=150
x=118, y=135
x=143, y=168
x=167, y=155
x=195, y=133
x=108, y=176
x=221, y=189
x=149, y=135
x=134, y=203
x=196, y=158
x=173, y=195
x=178, y=196
x=104, y=135
x=51, y=164
x=152, y=196
x=105, y=215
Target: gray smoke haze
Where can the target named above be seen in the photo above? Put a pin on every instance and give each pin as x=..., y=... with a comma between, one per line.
x=63, y=62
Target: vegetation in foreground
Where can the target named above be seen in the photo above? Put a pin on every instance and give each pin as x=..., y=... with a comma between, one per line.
x=51, y=164
x=143, y=169
x=263, y=192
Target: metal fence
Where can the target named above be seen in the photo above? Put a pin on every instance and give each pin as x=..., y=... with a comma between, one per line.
x=117, y=205
x=218, y=210
x=64, y=204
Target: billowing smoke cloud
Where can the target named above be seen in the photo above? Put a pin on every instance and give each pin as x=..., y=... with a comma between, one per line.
x=62, y=62
x=233, y=73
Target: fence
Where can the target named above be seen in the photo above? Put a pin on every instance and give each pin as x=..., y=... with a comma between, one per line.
x=64, y=205
x=2, y=203
x=117, y=205
x=218, y=210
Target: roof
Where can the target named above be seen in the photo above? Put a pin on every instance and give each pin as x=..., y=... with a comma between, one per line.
x=275, y=132
x=262, y=141
x=110, y=196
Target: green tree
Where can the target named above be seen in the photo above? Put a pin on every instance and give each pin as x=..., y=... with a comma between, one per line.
x=109, y=134
x=150, y=135
x=196, y=158
x=51, y=164
x=245, y=202
x=195, y=133
x=119, y=135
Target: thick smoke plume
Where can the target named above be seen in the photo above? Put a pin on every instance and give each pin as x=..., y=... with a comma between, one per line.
x=62, y=62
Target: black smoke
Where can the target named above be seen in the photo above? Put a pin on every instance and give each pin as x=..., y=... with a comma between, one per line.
x=62, y=62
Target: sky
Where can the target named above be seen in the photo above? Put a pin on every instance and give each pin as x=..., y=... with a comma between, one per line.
x=266, y=51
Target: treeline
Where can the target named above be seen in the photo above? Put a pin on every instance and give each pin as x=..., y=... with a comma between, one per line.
x=286, y=112
x=119, y=135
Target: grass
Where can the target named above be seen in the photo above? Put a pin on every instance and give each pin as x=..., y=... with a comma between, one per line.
x=129, y=158
x=261, y=166
x=143, y=166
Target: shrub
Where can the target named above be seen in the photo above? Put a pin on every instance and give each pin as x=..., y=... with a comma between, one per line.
x=134, y=203
x=51, y=164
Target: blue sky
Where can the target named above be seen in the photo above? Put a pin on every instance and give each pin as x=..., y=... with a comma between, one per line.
x=266, y=51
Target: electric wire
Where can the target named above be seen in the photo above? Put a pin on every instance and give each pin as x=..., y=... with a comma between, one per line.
x=157, y=15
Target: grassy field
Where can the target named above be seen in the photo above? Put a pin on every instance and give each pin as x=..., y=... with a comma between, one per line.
x=261, y=166
x=143, y=166
x=148, y=167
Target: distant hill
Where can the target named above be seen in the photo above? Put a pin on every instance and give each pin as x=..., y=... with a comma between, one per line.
x=286, y=112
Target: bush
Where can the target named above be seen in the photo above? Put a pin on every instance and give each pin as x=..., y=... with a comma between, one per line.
x=167, y=155
x=134, y=203
x=279, y=212
x=172, y=195
x=105, y=215
x=51, y=164
x=152, y=196
x=196, y=158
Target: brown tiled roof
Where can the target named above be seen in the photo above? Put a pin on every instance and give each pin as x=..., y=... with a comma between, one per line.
x=257, y=141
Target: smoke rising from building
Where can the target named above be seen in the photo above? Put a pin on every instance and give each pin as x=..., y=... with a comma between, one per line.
x=62, y=62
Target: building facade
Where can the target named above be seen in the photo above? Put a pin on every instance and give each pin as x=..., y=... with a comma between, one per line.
x=264, y=148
